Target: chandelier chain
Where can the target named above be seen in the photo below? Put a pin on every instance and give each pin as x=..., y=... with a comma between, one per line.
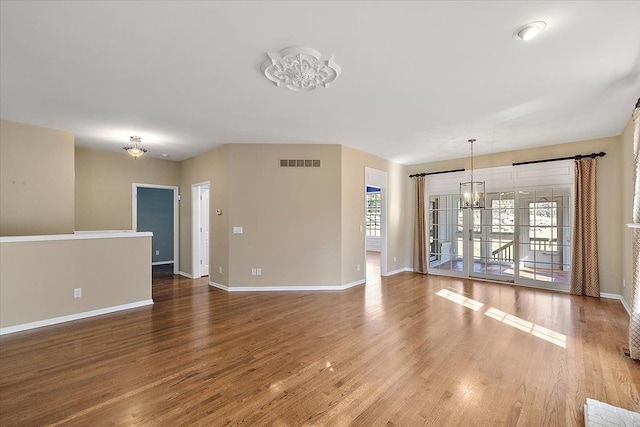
x=472, y=141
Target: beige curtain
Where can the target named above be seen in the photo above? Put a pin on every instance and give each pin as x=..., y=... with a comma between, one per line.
x=420, y=261
x=585, y=278
x=634, y=322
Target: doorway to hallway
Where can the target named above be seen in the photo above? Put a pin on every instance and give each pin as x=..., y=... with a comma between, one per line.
x=155, y=209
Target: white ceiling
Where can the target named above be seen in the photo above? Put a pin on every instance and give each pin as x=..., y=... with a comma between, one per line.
x=418, y=78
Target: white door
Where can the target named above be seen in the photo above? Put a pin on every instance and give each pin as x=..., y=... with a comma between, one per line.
x=204, y=231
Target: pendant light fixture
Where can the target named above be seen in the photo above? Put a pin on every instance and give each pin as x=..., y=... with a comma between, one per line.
x=472, y=192
x=135, y=147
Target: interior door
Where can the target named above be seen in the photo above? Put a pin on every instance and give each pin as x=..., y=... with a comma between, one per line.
x=204, y=231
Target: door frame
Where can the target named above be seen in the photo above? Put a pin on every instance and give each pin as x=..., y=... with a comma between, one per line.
x=377, y=178
x=176, y=212
x=195, y=232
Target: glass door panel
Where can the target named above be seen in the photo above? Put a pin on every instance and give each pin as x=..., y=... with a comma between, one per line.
x=544, y=235
x=446, y=249
x=493, y=237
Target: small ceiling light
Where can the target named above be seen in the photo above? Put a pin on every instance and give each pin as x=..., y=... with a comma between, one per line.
x=529, y=31
x=135, y=148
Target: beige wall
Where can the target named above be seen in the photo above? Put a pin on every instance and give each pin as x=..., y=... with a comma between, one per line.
x=103, y=186
x=211, y=166
x=353, y=207
x=626, y=141
x=290, y=216
x=37, y=279
x=36, y=180
x=301, y=225
x=610, y=197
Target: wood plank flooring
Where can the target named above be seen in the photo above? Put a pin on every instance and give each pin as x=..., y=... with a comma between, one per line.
x=407, y=350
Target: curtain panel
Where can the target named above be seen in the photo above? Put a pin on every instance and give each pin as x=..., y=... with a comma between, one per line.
x=585, y=277
x=634, y=322
x=420, y=259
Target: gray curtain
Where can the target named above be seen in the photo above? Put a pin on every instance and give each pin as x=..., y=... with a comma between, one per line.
x=634, y=322
x=420, y=259
x=585, y=277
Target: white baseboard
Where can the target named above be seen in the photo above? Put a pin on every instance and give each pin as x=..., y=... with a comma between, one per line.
x=187, y=275
x=618, y=297
x=71, y=317
x=285, y=288
x=162, y=262
x=219, y=286
x=400, y=270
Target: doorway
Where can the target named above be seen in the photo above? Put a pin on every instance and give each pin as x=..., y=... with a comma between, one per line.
x=375, y=229
x=520, y=237
x=155, y=209
x=200, y=229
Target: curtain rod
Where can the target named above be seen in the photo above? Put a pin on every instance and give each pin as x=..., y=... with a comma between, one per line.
x=576, y=157
x=435, y=173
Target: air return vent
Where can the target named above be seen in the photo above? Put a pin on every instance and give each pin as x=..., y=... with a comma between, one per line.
x=287, y=163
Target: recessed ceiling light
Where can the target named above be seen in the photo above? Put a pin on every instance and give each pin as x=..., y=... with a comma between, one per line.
x=165, y=155
x=529, y=31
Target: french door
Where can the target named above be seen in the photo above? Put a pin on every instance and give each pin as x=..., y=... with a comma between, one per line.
x=520, y=237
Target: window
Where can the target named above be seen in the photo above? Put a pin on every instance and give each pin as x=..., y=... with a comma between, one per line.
x=374, y=214
x=502, y=215
x=543, y=223
x=545, y=235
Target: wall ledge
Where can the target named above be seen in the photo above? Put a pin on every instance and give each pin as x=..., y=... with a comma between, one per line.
x=285, y=288
x=77, y=236
x=71, y=317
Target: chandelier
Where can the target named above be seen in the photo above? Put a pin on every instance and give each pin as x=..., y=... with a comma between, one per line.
x=135, y=147
x=472, y=192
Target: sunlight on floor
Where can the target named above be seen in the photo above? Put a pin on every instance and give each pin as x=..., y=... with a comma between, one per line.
x=508, y=319
x=526, y=326
x=460, y=299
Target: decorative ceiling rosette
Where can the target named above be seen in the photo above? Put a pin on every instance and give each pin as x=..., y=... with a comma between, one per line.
x=300, y=68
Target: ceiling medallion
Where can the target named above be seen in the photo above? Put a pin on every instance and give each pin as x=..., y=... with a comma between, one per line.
x=300, y=68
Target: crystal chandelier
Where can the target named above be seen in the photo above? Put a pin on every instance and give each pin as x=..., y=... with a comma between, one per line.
x=472, y=192
x=135, y=147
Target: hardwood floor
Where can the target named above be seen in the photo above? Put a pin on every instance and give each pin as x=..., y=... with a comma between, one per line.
x=406, y=350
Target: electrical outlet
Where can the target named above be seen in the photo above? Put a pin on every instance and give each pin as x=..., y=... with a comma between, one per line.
x=395, y=259
x=77, y=292
x=357, y=267
x=220, y=270
x=253, y=271
x=259, y=271
x=157, y=252
x=624, y=283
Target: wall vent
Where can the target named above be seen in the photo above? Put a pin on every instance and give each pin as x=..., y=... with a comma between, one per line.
x=287, y=163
